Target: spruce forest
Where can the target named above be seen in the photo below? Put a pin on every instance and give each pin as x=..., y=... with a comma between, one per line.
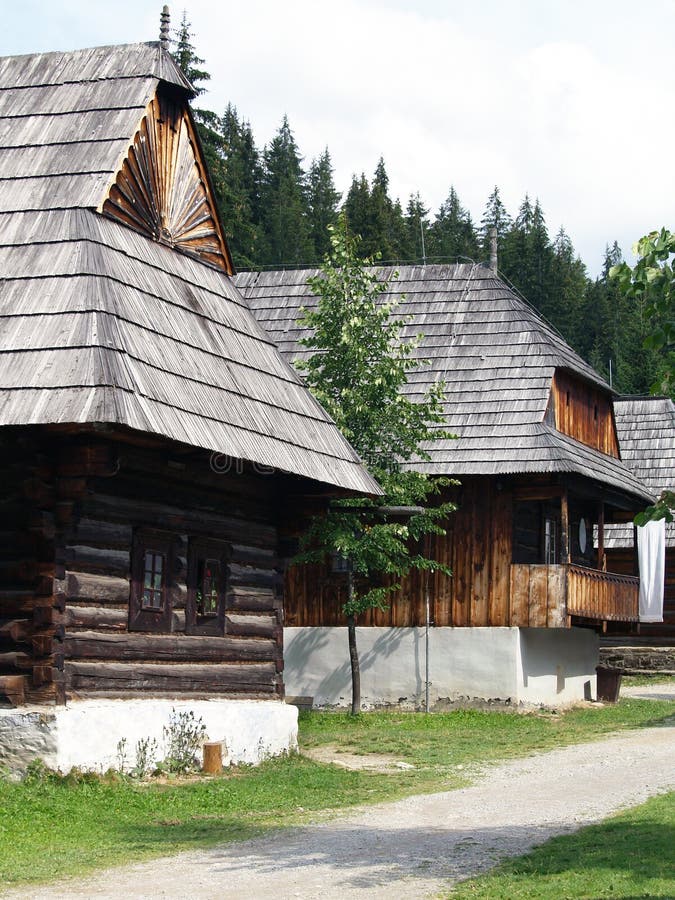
x=276, y=210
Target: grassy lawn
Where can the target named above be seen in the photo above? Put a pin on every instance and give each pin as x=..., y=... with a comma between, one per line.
x=647, y=680
x=626, y=857
x=51, y=827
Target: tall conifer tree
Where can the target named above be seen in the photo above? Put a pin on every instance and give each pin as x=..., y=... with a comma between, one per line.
x=323, y=202
x=241, y=203
x=417, y=228
x=379, y=240
x=451, y=234
x=285, y=212
x=495, y=216
x=568, y=286
x=356, y=209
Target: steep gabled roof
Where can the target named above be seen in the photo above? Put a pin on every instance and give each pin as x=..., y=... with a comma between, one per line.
x=495, y=354
x=101, y=323
x=67, y=119
x=646, y=431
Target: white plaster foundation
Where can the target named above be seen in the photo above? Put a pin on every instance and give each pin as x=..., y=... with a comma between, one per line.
x=87, y=733
x=537, y=666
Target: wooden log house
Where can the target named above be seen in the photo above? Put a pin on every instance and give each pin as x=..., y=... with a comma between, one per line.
x=536, y=454
x=152, y=437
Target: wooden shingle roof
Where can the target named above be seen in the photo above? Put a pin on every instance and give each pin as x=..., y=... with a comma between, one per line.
x=646, y=431
x=494, y=353
x=99, y=323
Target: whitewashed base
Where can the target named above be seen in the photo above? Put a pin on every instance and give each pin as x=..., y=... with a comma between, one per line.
x=87, y=733
x=530, y=666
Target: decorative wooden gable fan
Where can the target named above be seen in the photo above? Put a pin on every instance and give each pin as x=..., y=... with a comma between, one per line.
x=162, y=188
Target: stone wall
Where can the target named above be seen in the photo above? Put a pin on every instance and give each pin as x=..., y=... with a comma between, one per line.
x=639, y=658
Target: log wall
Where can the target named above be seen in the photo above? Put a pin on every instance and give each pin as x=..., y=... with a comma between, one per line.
x=73, y=639
x=31, y=663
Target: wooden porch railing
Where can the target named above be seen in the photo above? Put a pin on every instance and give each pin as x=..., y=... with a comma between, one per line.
x=547, y=596
x=593, y=594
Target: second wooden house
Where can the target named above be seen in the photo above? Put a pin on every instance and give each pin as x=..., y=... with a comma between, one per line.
x=540, y=470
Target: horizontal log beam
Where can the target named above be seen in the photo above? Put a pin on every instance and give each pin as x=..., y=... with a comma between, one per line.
x=16, y=661
x=249, y=576
x=254, y=556
x=167, y=647
x=259, y=626
x=16, y=603
x=180, y=520
x=101, y=559
x=103, y=588
x=17, y=630
x=13, y=689
x=96, y=617
x=251, y=599
x=97, y=532
x=223, y=678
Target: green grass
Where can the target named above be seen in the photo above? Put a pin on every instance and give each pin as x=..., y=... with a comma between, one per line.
x=439, y=742
x=647, y=680
x=52, y=827
x=626, y=857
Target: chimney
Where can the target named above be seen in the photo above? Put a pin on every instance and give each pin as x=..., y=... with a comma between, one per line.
x=164, y=31
x=493, y=249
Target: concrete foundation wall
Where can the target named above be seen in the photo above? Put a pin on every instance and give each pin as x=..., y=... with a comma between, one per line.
x=87, y=733
x=528, y=665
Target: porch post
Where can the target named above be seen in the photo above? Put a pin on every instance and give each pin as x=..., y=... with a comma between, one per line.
x=564, y=528
x=602, y=559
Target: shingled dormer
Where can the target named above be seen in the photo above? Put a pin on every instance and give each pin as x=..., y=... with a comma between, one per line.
x=583, y=410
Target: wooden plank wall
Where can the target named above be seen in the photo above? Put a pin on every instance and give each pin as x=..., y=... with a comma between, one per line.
x=64, y=622
x=538, y=593
x=477, y=548
x=584, y=413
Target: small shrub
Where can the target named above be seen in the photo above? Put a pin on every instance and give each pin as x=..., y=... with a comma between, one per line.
x=146, y=753
x=184, y=736
x=37, y=771
x=121, y=755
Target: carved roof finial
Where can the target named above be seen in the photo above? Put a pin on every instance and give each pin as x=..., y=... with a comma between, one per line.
x=164, y=30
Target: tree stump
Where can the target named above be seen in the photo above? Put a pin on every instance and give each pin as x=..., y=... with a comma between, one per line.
x=213, y=758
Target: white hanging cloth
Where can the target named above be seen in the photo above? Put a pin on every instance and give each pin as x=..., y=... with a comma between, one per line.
x=652, y=562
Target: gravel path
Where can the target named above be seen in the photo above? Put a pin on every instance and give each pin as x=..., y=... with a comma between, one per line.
x=665, y=691
x=412, y=848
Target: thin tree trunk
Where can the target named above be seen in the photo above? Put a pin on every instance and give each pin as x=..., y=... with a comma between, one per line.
x=354, y=660
x=353, y=653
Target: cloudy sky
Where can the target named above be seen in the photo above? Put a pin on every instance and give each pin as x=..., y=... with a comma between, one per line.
x=568, y=100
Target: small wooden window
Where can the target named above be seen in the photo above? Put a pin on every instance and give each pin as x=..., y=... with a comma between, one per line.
x=152, y=577
x=551, y=541
x=154, y=568
x=207, y=584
